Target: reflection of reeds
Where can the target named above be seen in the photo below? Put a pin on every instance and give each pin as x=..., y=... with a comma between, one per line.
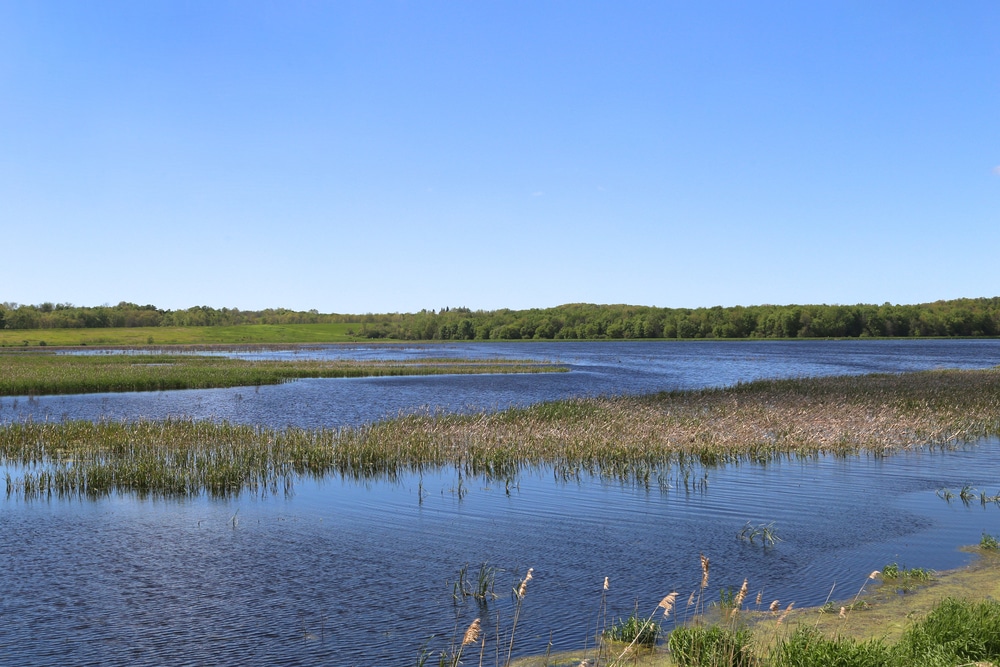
x=636, y=439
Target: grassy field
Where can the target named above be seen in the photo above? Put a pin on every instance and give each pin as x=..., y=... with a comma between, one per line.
x=250, y=334
x=33, y=373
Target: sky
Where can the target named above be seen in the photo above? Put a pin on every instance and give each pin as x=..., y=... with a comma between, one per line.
x=393, y=156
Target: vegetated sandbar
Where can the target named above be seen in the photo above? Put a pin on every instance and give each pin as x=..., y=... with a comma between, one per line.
x=36, y=373
x=636, y=439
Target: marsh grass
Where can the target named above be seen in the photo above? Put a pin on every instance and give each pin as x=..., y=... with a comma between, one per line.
x=633, y=630
x=764, y=532
x=904, y=579
x=37, y=373
x=650, y=441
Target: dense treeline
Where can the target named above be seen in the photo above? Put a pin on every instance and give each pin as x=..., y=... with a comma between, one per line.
x=959, y=317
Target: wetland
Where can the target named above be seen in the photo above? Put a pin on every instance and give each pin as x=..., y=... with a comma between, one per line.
x=327, y=521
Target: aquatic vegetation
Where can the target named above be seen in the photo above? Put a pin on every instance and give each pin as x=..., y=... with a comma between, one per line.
x=633, y=630
x=482, y=589
x=905, y=579
x=640, y=440
x=38, y=373
x=764, y=532
x=989, y=542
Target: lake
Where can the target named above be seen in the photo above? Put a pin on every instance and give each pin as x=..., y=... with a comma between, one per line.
x=346, y=573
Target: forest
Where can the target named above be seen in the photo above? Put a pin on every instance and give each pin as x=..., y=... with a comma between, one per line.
x=977, y=317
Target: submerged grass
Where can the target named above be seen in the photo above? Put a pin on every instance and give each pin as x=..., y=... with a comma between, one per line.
x=635, y=439
x=38, y=373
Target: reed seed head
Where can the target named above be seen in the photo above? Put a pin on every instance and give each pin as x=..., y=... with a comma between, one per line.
x=472, y=633
x=667, y=603
x=875, y=574
x=785, y=613
x=523, y=588
x=606, y=583
x=843, y=612
x=774, y=606
x=760, y=596
x=704, y=570
x=738, y=602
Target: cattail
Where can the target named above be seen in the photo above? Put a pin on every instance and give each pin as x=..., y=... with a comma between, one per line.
x=668, y=603
x=774, y=606
x=472, y=634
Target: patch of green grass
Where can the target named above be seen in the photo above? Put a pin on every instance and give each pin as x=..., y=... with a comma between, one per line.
x=38, y=373
x=989, y=542
x=633, y=630
x=905, y=579
x=246, y=334
x=695, y=645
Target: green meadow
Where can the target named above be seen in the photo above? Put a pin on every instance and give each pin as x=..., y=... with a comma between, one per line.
x=244, y=334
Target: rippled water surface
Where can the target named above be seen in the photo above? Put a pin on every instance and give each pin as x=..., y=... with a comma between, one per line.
x=346, y=573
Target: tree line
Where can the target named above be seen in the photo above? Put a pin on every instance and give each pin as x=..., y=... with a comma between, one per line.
x=958, y=317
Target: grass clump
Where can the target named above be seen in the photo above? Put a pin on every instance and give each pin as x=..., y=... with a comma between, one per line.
x=905, y=579
x=695, y=645
x=634, y=630
x=989, y=542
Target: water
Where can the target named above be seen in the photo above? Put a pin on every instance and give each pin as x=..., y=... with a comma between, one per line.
x=595, y=369
x=341, y=573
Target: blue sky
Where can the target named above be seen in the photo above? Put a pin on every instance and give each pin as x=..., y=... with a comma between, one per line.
x=392, y=156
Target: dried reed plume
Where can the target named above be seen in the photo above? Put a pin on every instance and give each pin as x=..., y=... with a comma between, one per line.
x=606, y=587
x=523, y=588
x=774, y=607
x=472, y=633
x=704, y=570
x=785, y=613
x=738, y=601
x=667, y=603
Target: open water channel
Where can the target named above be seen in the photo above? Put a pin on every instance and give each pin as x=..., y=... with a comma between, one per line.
x=361, y=573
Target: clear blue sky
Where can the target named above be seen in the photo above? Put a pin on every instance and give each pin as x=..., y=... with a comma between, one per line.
x=392, y=156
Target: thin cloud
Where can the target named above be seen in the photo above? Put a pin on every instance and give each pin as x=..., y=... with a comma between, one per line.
x=996, y=170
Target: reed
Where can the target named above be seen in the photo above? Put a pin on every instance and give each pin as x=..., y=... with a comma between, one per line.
x=651, y=441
